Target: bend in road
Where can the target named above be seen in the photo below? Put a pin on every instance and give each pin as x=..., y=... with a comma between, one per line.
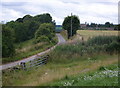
x=61, y=40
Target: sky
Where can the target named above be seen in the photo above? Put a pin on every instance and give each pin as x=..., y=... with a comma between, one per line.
x=90, y=11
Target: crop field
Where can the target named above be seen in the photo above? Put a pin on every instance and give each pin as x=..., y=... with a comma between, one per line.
x=86, y=34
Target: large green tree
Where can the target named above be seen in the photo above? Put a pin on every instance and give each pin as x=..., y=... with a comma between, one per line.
x=47, y=30
x=7, y=41
x=71, y=24
x=43, y=18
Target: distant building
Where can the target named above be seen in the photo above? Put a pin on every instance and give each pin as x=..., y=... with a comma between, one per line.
x=83, y=25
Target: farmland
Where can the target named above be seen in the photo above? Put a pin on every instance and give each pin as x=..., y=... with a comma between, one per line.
x=86, y=34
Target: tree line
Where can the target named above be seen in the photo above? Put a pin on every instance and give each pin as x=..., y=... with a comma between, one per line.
x=106, y=25
x=41, y=27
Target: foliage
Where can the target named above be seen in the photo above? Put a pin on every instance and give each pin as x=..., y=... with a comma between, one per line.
x=43, y=18
x=97, y=45
x=8, y=48
x=45, y=32
x=100, y=40
x=24, y=29
x=117, y=27
x=27, y=49
x=41, y=39
x=67, y=25
x=106, y=25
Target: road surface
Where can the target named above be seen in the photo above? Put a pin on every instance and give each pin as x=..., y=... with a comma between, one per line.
x=61, y=40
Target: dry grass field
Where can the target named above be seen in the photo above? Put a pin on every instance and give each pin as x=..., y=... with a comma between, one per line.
x=86, y=34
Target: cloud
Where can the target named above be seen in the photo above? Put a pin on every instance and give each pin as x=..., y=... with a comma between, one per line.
x=119, y=12
x=97, y=11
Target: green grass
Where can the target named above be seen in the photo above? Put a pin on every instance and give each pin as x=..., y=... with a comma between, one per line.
x=53, y=72
x=82, y=50
x=28, y=48
x=106, y=77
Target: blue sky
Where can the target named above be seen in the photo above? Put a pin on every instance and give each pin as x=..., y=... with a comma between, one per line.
x=96, y=11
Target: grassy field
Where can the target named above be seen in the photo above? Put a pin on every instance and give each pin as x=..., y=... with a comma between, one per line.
x=69, y=62
x=104, y=76
x=28, y=48
x=86, y=34
x=64, y=61
x=52, y=72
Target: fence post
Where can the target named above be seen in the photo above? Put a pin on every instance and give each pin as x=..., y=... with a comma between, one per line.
x=23, y=65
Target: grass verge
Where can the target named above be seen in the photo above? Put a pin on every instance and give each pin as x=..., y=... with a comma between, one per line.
x=52, y=72
x=28, y=48
x=104, y=76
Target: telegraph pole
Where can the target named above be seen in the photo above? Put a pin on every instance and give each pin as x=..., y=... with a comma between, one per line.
x=71, y=24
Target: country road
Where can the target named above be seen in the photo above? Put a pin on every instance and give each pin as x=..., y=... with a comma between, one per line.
x=61, y=40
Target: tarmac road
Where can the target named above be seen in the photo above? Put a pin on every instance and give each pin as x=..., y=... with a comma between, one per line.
x=61, y=40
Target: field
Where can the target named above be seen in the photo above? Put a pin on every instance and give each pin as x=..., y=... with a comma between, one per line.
x=80, y=64
x=66, y=61
x=86, y=34
x=52, y=72
x=104, y=76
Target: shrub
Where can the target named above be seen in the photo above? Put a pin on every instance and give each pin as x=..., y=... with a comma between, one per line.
x=41, y=39
x=70, y=52
x=102, y=68
x=46, y=29
x=101, y=40
x=113, y=47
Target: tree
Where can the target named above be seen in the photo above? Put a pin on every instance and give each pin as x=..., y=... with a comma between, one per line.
x=27, y=17
x=43, y=18
x=107, y=24
x=7, y=41
x=93, y=25
x=21, y=32
x=19, y=20
x=67, y=25
x=45, y=29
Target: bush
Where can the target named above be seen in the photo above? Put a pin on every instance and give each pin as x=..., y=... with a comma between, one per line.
x=70, y=52
x=113, y=47
x=45, y=29
x=42, y=39
x=102, y=68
